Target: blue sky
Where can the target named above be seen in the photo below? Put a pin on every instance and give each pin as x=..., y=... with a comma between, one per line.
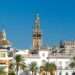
x=57, y=20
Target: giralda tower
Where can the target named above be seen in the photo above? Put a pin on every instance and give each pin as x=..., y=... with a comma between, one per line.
x=36, y=33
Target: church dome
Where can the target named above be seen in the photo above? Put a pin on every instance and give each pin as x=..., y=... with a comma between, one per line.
x=4, y=42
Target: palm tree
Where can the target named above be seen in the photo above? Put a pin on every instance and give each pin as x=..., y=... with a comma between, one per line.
x=42, y=70
x=47, y=67
x=50, y=67
x=23, y=66
x=11, y=69
x=33, y=68
x=11, y=66
x=18, y=64
x=19, y=60
x=11, y=73
x=2, y=72
x=72, y=64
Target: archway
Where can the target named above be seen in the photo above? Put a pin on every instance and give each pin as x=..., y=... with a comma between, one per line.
x=73, y=73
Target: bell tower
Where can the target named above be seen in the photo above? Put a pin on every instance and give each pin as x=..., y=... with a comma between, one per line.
x=36, y=33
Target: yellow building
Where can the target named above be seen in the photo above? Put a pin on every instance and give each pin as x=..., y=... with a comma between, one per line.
x=4, y=45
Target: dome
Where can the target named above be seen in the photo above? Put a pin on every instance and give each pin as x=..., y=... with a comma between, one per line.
x=4, y=42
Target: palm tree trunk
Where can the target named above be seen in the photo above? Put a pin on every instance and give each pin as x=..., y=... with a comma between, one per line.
x=49, y=73
x=17, y=68
x=35, y=73
x=46, y=72
x=32, y=72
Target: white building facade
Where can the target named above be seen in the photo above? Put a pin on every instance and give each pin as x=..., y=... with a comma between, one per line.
x=61, y=57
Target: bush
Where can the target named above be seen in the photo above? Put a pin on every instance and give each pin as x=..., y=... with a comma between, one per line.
x=11, y=73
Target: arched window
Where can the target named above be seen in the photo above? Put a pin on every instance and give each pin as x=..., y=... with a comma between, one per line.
x=66, y=73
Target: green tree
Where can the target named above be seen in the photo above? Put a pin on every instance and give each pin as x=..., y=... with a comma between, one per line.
x=42, y=70
x=50, y=67
x=19, y=60
x=11, y=68
x=18, y=64
x=2, y=72
x=11, y=73
x=23, y=66
x=72, y=64
x=33, y=68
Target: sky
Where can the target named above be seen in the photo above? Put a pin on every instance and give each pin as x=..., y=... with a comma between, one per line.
x=57, y=20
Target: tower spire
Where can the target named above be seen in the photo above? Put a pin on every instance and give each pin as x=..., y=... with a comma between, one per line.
x=37, y=23
x=4, y=34
x=37, y=33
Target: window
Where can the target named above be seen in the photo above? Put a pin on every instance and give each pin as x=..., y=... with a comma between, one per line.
x=2, y=54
